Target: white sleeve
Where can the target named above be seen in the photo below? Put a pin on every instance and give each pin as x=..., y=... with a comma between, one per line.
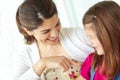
x=74, y=41
x=22, y=67
x=29, y=75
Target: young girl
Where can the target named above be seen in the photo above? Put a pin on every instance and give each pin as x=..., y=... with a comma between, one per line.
x=102, y=26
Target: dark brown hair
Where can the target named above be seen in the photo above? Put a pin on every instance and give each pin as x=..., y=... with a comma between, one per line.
x=31, y=14
x=105, y=16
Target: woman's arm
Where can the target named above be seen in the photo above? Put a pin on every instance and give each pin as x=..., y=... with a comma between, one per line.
x=22, y=70
x=53, y=62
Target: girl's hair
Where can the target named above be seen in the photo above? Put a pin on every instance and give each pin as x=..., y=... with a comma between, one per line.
x=31, y=14
x=105, y=16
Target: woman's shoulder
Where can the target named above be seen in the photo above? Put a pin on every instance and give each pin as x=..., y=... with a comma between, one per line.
x=72, y=29
x=73, y=33
x=27, y=54
x=26, y=50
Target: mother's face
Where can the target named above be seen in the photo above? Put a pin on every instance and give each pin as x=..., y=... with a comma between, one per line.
x=48, y=32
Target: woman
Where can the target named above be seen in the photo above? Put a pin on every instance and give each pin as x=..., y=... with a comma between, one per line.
x=102, y=26
x=47, y=46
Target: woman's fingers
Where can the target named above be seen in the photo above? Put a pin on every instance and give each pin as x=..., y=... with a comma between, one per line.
x=73, y=62
x=66, y=63
x=59, y=62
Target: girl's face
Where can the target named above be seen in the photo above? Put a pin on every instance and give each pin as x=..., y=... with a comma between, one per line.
x=92, y=38
x=48, y=32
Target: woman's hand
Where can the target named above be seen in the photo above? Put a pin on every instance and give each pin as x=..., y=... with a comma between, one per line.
x=78, y=63
x=58, y=62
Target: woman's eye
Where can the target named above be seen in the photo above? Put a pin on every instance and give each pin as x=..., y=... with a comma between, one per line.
x=58, y=24
x=45, y=32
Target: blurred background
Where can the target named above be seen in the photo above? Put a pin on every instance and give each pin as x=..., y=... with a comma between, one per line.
x=70, y=14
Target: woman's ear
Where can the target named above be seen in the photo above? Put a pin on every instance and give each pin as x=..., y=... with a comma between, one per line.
x=28, y=32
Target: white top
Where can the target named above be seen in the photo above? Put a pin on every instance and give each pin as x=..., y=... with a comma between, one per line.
x=72, y=39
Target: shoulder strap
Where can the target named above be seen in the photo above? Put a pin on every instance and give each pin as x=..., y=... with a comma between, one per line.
x=92, y=73
x=117, y=77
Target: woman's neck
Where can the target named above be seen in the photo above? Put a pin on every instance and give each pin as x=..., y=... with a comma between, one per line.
x=45, y=45
x=46, y=50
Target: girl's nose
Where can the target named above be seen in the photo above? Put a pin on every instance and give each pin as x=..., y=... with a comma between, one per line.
x=91, y=43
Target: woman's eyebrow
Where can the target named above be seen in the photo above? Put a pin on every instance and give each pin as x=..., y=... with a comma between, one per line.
x=49, y=29
x=44, y=30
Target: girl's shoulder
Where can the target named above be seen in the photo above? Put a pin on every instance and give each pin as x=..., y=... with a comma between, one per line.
x=88, y=61
x=89, y=58
x=86, y=66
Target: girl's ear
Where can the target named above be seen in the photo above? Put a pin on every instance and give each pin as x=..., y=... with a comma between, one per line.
x=28, y=32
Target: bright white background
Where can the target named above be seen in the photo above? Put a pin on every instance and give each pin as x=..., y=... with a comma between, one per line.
x=70, y=13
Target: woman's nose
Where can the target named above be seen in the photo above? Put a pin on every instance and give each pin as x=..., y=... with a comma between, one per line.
x=54, y=33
